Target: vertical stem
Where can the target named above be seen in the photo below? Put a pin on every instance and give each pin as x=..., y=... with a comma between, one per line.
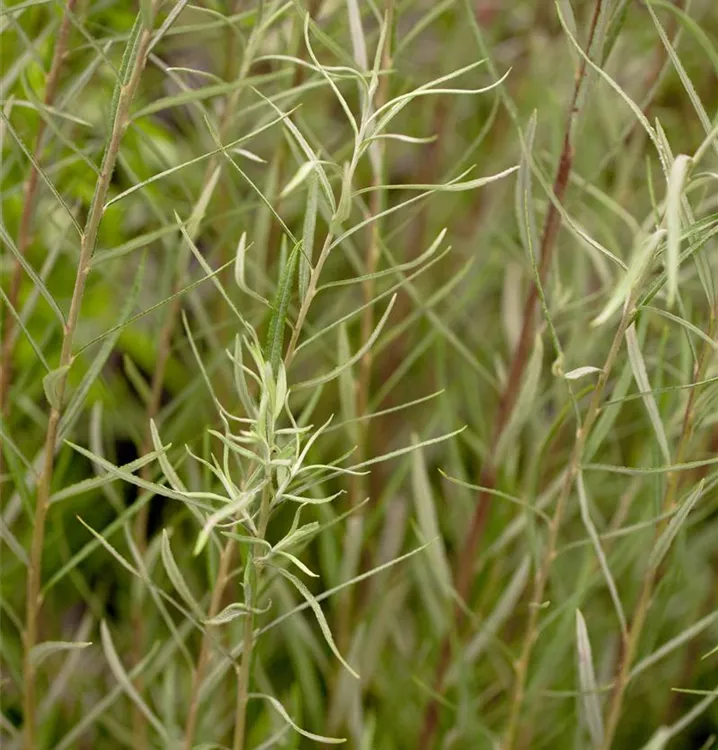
x=164, y=347
x=653, y=574
x=29, y=192
x=126, y=93
x=225, y=561
x=243, y=684
x=244, y=671
x=358, y=483
x=464, y=565
x=541, y=580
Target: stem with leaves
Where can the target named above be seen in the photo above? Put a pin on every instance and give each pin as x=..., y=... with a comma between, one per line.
x=225, y=562
x=252, y=581
x=164, y=347
x=542, y=575
x=133, y=64
x=377, y=202
x=280, y=158
x=29, y=192
x=165, y=339
x=653, y=573
x=464, y=566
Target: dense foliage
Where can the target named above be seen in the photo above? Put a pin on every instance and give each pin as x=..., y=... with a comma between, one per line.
x=358, y=374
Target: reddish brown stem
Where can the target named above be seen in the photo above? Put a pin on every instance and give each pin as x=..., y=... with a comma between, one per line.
x=464, y=565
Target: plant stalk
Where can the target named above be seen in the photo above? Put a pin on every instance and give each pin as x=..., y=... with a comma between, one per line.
x=28, y=200
x=244, y=671
x=653, y=574
x=120, y=123
x=464, y=564
x=225, y=562
x=541, y=580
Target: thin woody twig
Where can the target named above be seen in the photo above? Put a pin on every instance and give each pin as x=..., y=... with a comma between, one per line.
x=126, y=90
x=653, y=574
x=464, y=566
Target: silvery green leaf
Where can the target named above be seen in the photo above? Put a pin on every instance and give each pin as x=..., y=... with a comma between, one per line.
x=41, y=651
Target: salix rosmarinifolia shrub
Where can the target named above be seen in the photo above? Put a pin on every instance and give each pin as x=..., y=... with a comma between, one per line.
x=264, y=459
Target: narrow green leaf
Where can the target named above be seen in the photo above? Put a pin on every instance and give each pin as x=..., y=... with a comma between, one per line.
x=200, y=208
x=41, y=651
x=525, y=209
x=642, y=257
x=407, y=449
x=638, y=366
x=676, y=523
x=123, y=678
x=502, y=611
x=600, y=554
x=53, y=384
x=590, y=704
x=275, y=334
x=581, y=372
x=35, y=347
x=355, y=358
x=38, y=283
x=43, y=174
x=233, y=509
x=120, y=472
x=676, y=181
x=675, y=643
x=308, y=229
x=347, y=385
x=305, y=169
x=283, y=713
x=178, y=581
x=232, y=611
x=527, y=395
x=321, y=620
x=428, y=521
x=73, y=410
x=178, y=7
x=6, y=535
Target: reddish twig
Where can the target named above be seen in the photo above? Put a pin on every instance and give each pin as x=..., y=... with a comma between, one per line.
x=464, y=565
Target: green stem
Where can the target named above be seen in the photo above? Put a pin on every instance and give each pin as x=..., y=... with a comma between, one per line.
x=652, y=575
x=251, y=586
x=126, y=92
x=541, y=581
